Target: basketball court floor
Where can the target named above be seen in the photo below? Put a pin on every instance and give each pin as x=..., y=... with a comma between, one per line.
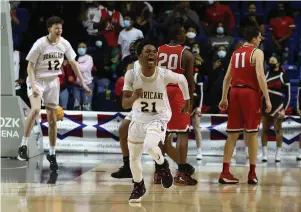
x=84, y=184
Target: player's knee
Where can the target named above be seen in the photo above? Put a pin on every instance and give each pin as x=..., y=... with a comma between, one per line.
x=35, y=112
x=151, y=141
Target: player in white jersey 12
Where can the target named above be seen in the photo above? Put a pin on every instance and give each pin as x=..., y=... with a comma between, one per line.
x=44, y=65
x=145, y=91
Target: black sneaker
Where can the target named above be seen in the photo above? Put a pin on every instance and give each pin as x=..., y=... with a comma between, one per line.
x=53, y=164
x=22, y=153
x=190, y=169
x=167, y=179
x=138, y=191
x=52, y=178
x=123, y=172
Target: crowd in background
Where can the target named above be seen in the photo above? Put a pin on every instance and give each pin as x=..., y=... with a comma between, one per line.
x=103, y=34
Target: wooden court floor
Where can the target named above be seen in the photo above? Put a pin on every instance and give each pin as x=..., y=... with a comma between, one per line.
x=84, y=184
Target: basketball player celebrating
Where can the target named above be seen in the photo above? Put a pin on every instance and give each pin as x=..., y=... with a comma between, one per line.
x=44, y=65
x=145, y=91
x=246, y=75
x=178, y=59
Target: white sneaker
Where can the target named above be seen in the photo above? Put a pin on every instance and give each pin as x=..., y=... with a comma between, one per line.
x=264, y=158
x=199, y=155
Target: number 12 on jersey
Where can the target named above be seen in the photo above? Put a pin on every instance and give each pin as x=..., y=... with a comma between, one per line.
x=240, y=57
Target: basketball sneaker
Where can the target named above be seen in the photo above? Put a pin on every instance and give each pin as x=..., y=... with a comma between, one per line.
x=190, y=169
x=184, y=178
x=227, y=178
x=53, y=164
x=158, y=174
x=252, y=179
x=52, y=178
x=22, y=153
x=199, y=155
x=277, y=158
x=123, y=172
x=138, y=191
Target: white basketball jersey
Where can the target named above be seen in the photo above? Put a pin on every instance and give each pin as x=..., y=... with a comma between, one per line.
x=48, y=58
x=153, y=104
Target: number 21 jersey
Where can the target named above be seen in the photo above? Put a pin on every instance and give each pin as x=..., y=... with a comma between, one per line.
x=243, y=72
x=48, y=58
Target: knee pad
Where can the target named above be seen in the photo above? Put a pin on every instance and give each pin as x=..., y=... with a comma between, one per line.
x=151, y=141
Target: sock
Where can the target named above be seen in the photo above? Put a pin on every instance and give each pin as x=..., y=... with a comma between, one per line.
x=226, y=167
x=182, y=167
x=24, y=141
x=265, y=150
x=252, y=168
x=278, y=150
x=52, y=150
x=126, y=160
x=199, y=150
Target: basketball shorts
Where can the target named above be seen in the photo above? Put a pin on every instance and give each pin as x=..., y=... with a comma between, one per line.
x=49, y=89
x=179, y=122
x=138, y=131
x=244, y=112
x=129, y=116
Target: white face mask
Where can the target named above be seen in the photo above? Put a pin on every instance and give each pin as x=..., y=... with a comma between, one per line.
x=191, y=35
x=195, y=51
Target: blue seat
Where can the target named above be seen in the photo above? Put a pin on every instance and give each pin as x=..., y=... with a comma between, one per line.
x=292, y=71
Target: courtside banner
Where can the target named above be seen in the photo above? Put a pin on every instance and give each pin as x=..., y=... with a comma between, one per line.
x=97, y=132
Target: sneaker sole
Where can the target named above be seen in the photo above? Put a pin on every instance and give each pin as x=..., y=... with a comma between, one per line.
x=21, y=159
x=222, y=181
x=277, y=161
x=252, y=182
x=198, y=158
x=264, y=161
x=182, y=183
x=172, y=180
x=133, y=201
x=122, y=177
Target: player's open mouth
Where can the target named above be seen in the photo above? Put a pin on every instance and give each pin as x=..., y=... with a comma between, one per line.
x=151, y=59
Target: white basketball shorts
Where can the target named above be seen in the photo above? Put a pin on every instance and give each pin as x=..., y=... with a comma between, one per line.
x=129, y=116
x=138, y=131
x=49, y=89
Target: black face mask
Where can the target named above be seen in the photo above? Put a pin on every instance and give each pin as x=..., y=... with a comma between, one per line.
x=272, y=66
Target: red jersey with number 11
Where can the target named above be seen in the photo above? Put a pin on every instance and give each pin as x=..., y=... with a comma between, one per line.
x=243, y=72
x=170, y=57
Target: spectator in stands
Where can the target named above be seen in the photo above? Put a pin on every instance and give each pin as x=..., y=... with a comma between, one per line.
x=216, y=74
x=191, y=36
x=217, y=13
x=252, y=20
x=281, y=28
x=182, y=13
x=221, y=37
x=13, y=16
x=144, y=17
x=90, y=16
x=127, y=36
x=85, y=62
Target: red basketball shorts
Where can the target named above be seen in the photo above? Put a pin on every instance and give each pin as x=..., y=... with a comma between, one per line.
x=244, y=112
x=179, y=122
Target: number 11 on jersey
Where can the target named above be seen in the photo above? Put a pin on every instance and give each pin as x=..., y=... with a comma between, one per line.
x=240, y=57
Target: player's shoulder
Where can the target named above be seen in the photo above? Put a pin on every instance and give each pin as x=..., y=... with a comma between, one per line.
x=64, y=41
x=41, y=41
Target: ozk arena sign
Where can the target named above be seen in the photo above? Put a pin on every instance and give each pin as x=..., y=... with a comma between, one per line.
x=9, y=127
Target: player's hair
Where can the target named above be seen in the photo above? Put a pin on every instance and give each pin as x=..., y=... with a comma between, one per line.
x=251, y=3
x=54, y=20
x=143, y=43
x=250, y=33
x=175, y=31
x=136, y=44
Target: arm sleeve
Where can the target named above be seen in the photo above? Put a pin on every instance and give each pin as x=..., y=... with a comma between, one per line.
x=34, y=52
x=286, y=91
x=172, y=77
x=70, y=54
x=128, y=81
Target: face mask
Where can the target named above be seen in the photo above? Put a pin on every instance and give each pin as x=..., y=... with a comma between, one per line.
x=272, y=66
x=81, y=51
x=221, y=53
x=191, y=35
x=220, y=30
x=98, y=43
x=195, y=50
x=127, y=23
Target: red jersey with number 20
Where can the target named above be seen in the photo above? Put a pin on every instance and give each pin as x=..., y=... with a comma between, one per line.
x=243, y=72
x=170, y=57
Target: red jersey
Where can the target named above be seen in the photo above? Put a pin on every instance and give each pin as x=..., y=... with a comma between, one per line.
x=170, y=57
x=243, y=72
x=280, y=26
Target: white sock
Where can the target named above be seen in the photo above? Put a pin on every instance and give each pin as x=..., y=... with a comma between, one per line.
x=24, y=141
x=199, y=150
x=278, y=150
x=136, y=151
x=52, y=150
x=265, y=150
